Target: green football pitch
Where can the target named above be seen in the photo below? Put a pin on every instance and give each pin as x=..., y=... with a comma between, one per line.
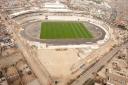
x=64, y=30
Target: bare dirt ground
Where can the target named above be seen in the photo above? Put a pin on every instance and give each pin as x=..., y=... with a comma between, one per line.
x=58, y=63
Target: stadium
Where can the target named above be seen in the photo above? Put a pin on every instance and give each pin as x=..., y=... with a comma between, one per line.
x=59, y=35
x=63, y=42
x=83, y=30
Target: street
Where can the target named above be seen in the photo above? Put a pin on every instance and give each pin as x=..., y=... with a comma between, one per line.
x=103, y=61
x=32, y=59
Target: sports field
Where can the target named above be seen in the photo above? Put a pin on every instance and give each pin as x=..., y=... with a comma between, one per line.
x=64, y=30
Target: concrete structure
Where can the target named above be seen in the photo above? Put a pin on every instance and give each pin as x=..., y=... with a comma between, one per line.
x=56, y=7
x=116, y=72
x=76, y=61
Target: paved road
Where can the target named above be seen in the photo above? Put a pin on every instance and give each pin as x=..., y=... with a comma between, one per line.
x=103, y=61
x=32, y=60
x=38, y=69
